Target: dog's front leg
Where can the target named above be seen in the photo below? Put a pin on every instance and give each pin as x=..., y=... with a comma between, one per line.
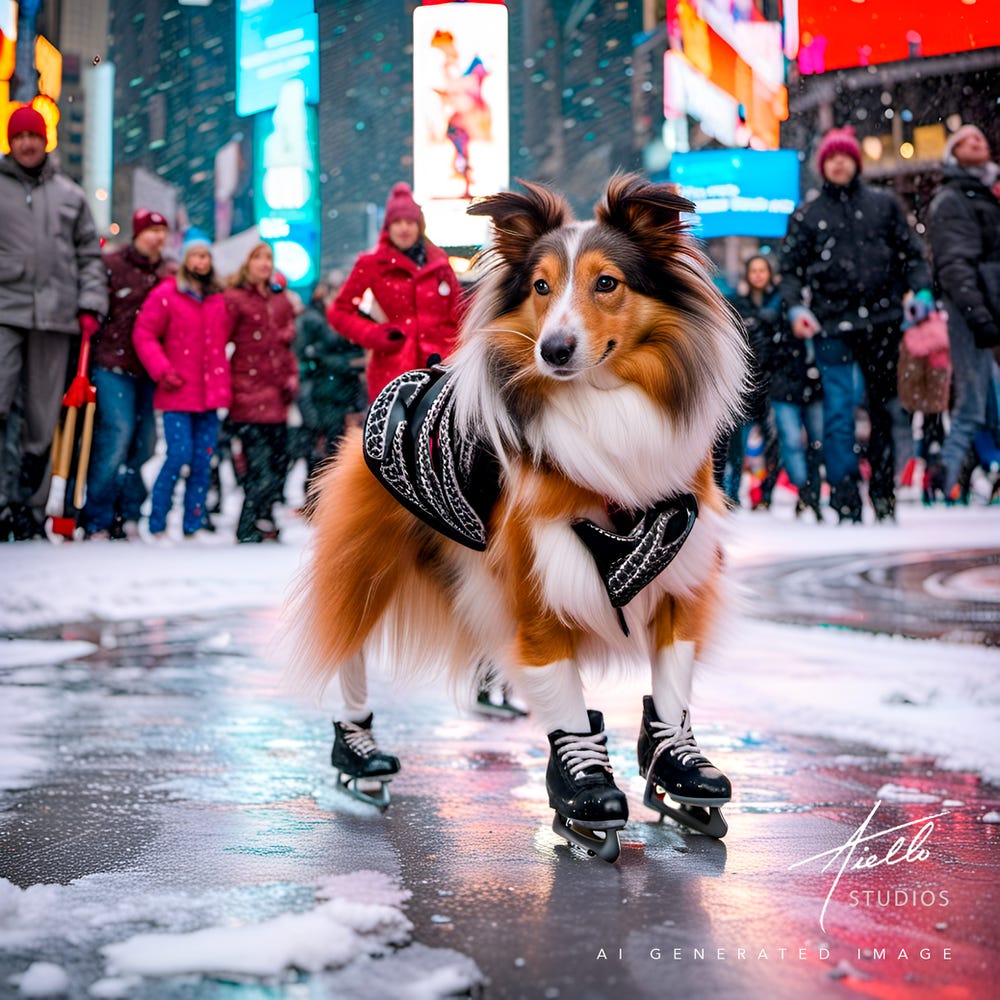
x=669, y=758
x=589, y=807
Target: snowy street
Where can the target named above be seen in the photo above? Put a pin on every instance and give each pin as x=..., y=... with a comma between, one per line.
x=170, y=826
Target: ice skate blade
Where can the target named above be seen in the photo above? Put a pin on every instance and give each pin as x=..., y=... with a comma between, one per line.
x=505, y=711
x=702, y=819
x=379, y=799
x=607, y=848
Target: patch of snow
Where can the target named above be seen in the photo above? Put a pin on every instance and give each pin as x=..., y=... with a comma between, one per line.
x=43, y=979
x=900, y=793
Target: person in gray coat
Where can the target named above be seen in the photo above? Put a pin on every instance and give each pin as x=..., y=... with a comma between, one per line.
x=53, y=288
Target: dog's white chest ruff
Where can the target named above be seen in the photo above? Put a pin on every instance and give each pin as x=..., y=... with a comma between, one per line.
x=452, y=484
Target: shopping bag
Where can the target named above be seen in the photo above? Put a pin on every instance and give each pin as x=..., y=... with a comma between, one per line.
x=924, y=369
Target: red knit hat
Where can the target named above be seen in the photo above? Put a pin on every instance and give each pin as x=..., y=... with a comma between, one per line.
x=402, y=206
x=26, y=119
x=839, y=140
x=144, y=218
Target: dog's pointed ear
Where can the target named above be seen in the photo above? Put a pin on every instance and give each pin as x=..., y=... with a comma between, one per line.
x=520, y=219
x=646, y=211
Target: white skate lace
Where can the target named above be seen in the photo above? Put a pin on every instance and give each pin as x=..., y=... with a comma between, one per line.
x=581, y=752
x=359, y=740
x=678, y=741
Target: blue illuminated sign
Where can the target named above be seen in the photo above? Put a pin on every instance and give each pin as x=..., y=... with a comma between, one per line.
x=276, y=41
x=739, y=192
x=286, y=185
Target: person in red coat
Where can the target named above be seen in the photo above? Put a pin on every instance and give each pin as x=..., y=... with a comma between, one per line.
x=180, y=337
x=265, y=375
x=417, y=298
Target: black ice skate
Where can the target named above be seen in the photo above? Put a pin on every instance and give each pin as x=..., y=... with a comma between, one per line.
x=498, y=708
x=674, y=767
x=590, y=809
x=358, y=759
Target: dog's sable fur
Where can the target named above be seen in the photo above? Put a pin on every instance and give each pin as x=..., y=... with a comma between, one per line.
x=598, y=363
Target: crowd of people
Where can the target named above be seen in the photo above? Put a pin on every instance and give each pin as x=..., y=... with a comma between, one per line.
x=216, y=367
x=825, y=339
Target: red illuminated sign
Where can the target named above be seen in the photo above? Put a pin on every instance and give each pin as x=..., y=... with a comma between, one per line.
x=839, y=34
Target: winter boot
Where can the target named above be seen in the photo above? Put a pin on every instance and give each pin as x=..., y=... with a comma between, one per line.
x=674, y=767
x=356, y=758
x=589, y=807
x=885, y=508
x=809, y=500
x=846, y=501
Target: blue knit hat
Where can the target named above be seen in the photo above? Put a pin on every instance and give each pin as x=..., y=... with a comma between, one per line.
x=194, y=238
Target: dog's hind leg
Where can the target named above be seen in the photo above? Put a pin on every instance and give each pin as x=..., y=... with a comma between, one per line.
x=358, y=760
x=669, y=757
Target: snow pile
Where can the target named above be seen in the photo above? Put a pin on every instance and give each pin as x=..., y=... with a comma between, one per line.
x=357, y=919
x=882, y=691
x=24, y=911
x=42, y=979
x=327, y=937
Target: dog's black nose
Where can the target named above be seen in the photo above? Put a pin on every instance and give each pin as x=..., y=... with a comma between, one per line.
x=558, y=348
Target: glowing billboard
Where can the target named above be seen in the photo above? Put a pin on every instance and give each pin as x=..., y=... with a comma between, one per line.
x=739, y=192
x=461, y=115
x=839, y=34
x=286, y=188
x=276, y=41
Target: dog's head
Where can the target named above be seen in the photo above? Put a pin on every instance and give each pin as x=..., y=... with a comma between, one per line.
x=625, y=298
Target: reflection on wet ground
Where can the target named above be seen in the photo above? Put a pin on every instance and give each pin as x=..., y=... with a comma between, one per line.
x=170, y=764
x=940, y=595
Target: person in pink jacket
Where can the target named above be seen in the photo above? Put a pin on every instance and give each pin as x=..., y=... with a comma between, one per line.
x=180, y=336
x=419, y=299
x=265, y=375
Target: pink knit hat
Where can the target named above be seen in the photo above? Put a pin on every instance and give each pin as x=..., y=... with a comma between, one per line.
x=402, y=206
x=839, y=140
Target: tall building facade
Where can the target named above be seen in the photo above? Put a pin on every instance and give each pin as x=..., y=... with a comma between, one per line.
x=174, y=101
x=573, y=90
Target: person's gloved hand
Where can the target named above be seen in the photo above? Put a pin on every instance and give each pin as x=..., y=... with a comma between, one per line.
x=80, y=391
x=917, y=308
x=89, y=324
x=393, y=339
x=289, y=390
x=804, y=323
x=172, y=381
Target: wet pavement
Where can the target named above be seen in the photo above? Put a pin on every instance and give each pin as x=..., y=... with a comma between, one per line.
x=170, y=765
x=926, y=595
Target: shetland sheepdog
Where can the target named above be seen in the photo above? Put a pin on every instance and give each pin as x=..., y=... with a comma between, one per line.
x=596, y=367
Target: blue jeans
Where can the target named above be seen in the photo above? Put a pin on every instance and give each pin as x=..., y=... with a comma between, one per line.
x=841, y=393
x=191, y=440
x=975, y=381
x=124, y=439
x=800, y=457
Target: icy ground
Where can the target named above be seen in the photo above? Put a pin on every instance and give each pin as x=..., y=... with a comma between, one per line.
x=816, y=682
x=931, y=698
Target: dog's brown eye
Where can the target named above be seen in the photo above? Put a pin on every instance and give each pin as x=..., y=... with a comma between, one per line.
x=542, y=287
x=605, y=283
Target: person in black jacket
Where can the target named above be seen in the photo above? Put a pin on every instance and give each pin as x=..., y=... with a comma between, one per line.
x=330, y=373
x=848, y=261
x=759, y=308
x=794, y=390
x=964, y=227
